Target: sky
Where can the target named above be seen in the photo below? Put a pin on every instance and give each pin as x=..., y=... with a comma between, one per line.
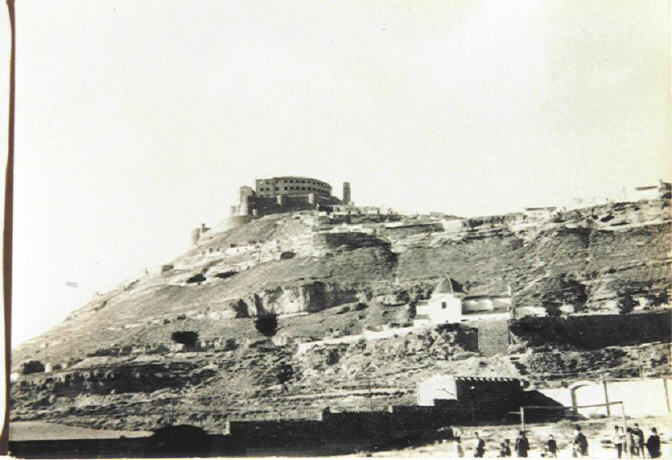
x=138, y=120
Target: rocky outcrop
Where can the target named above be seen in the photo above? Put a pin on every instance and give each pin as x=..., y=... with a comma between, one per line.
x=307, y=298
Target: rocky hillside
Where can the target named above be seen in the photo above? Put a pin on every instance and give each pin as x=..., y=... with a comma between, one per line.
x=115, y=362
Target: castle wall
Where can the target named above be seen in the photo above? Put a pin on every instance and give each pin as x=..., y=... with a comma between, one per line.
x=264, y=205
x=290, y=185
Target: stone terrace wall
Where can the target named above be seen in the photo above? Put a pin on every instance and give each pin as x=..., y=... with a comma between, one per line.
x=493, y=336
x=593, y=331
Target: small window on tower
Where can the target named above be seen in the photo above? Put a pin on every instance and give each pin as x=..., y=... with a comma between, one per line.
x=443, y=305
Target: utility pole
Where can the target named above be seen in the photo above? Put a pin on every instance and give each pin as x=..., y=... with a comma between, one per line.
x=8, y=227
x=606, y=395
x=625, y=429
x=522, y=419
x=473, y=405
x=641, y=366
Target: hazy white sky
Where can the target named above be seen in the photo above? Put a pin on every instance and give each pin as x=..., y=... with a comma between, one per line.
x=137, y=120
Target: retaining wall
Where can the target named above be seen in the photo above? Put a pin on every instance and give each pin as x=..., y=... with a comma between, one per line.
x=594, y=331
x=493, y=336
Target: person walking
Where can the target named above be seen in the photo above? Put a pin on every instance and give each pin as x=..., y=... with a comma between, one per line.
x=618, y=440
x=653, y=444
x=551, y=446
x=580, y=447
x=633, y=445
x=458, y=447
x=505, y=448
x=639, y=439
x=522, y=445
x=457, y=437
x=457, y=433
x=480, y=447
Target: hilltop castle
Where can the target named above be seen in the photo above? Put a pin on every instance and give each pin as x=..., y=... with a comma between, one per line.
x=277, y=195
x=285, y=194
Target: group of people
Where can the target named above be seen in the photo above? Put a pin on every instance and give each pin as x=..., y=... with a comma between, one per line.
x=631, y=444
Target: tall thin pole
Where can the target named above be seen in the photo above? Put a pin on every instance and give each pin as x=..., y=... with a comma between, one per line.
x=625, y=429
x=606, y=395
x=641, y=366
x=8, y=224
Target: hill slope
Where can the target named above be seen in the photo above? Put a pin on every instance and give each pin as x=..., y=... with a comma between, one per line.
x=120, y=368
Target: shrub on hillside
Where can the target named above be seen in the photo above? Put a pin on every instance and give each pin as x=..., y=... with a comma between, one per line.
x=231, y=344
x=32, y=367
x=626, y=304
x=361, y=306
x=187, y=338
x=332, y=357
x=267, y=324
x=284, y=373
x=552, y=308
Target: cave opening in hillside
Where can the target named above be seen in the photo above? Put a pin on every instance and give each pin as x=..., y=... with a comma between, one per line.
x=198, y=278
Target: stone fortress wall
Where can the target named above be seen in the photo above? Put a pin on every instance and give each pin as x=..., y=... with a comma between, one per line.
x=284, y=194
x=291, y=185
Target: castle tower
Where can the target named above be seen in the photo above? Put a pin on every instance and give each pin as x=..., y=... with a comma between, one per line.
x=244, y=206
x=346, y=192
x=195, y=235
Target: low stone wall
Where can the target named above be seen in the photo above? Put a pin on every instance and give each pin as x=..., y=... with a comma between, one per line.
x=343, y=426
x=412, y=418
x=277, y=433
x=343, y=432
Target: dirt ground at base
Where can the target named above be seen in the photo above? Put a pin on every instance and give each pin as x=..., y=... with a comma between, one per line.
x=598, y=433
x=22, y=431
